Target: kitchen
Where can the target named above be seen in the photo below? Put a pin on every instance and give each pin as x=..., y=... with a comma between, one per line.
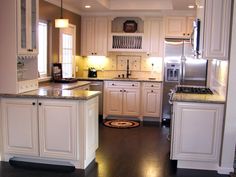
x=147, y=68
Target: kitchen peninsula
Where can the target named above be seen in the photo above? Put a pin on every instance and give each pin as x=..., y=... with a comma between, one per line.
x=51, y=124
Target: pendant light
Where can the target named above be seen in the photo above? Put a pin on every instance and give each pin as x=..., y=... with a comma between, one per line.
x=61, y=22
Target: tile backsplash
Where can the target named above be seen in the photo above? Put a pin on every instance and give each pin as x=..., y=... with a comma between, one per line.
x=140, y=65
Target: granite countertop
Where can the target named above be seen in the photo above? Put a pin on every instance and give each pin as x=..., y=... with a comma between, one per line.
x=119, y=79
x=199, y=98
x=51, y=90
x=63, y=86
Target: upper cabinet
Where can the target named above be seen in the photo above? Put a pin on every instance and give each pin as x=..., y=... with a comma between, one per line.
x=94, y=36
x=154, y=37
x=27, y=20
x=217, y=29
x=178, y=27
x=126, y=34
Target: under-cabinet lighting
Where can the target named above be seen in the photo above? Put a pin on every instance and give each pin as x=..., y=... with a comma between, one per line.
x=191, y=6
x=87, y=6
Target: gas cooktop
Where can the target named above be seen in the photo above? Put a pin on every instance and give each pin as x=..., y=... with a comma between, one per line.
x=193, y=90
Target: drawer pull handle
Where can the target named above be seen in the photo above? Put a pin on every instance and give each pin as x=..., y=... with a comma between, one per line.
x=40, y=104
x=33, y=103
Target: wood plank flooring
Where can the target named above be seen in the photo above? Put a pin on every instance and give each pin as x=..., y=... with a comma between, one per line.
x=136, y=152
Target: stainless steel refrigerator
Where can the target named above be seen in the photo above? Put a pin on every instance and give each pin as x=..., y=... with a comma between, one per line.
x=181, y=68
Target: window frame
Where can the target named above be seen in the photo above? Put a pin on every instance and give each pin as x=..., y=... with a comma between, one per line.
x=47, y=47
x=61, y=31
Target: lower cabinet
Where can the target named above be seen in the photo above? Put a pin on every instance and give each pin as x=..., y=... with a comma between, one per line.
x=196, y=134
x=122, y=98
x=20, y=126
x=151, y=99
x=57, y=127
x=51, y=129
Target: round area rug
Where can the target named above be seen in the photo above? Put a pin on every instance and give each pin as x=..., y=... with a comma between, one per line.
x=121, y=123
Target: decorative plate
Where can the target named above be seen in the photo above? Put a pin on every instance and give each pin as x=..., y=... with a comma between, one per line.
x=130, y=26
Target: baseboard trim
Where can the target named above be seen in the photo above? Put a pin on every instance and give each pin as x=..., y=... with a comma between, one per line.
x=225, y=170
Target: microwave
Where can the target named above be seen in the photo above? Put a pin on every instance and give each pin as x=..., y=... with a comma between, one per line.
x=195, y=37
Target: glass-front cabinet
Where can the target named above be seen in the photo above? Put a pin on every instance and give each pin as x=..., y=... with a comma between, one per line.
x=27, y=26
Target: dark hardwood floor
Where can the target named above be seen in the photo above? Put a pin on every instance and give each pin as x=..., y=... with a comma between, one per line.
x=136, y=152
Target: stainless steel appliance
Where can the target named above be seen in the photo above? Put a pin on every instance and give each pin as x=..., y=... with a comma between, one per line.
x=181, y=68
x=92, y=72
x=195, y=37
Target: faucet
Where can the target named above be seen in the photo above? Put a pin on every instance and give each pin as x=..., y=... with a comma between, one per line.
x=128, y=72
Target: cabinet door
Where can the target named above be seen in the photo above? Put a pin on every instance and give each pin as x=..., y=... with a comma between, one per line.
x=197, y=130
x=131, y=102
x=155, y=38
x=27, y=11
x=101, y=32
x=20, y=130
x=57, y=127
x=217, y=29
x=189, y=24
x=114, y=101
x=151, y=102
x=175, y=26
x=88, y=36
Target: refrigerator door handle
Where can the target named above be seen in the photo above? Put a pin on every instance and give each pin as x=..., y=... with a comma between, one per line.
x=182, y=71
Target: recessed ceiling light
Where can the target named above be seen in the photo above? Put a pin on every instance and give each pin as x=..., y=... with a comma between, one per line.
x=87, y=6
x=191, y=6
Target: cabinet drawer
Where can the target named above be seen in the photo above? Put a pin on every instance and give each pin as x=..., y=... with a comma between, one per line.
x=125, y=84
x=152, y=85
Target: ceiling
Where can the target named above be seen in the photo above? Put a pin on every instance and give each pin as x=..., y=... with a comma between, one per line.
x=110, y=6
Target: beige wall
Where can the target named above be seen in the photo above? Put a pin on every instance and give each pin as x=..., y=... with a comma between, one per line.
x=49, y=12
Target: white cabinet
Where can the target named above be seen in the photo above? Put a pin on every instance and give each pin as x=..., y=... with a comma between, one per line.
x=154, y=38
x=178, y=26
x=151, y=99
x=196, y=134
x=94, y=36
x=217, y=29
x=122, y=98
x=57, y=127
x=20, y=126
x=27, y=21
x=50, y=129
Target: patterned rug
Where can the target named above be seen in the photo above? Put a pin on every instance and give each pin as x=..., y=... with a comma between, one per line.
x=121, y=123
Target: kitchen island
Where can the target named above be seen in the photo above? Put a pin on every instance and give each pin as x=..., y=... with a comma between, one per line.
x=196, y=130
x=50, y=126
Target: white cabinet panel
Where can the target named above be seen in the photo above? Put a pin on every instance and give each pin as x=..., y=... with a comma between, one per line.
x=196, y=132
x=20, y=130
x=154, y=37
x=131, y=102
x=217, y=29
x=114, y=101
x=57, y=125
x=94, y=36
x=151, y=99
x=178, y=26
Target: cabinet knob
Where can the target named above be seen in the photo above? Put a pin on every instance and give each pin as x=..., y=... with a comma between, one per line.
x=152, y=91
x=184, y=34
x=95, y=53
x=30, y=50
x=188, y=34
x=124, y=90
x=133, y=85
x=120, y=90
x=152, y=85
x=92, y=53
x=33, y=103
x=113, y=84
x=40, y=104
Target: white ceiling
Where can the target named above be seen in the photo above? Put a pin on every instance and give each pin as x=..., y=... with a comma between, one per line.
x=110, y=6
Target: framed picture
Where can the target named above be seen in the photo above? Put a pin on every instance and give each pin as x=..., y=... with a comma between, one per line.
x=130, y=26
